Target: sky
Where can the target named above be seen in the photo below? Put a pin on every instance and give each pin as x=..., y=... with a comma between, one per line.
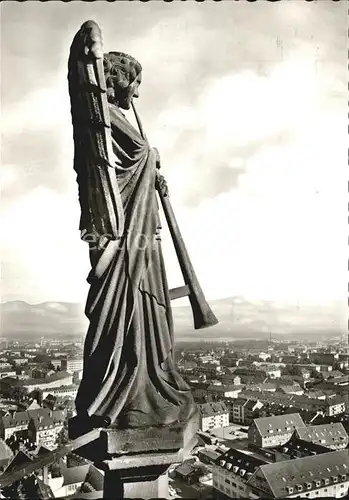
x=247, y=105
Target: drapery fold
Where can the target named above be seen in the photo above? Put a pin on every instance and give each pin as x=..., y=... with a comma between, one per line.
x=129, y=372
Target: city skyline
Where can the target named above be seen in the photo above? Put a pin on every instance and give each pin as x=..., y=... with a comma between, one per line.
x=251, y=126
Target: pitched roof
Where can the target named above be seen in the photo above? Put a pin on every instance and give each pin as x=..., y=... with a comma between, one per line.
x=212, y=455
x=16, y=419
x=185, y=469
x=236, y=461
x=211, y=409
x=290, y=389
x=290, y=473
x=326, y=434
x=296, y=448
x=279, y=424
x=223, y=388
x=44, y=417
x=240, y=401
x=250, y=405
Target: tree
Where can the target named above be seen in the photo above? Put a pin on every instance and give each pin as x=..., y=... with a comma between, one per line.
x=63, y=436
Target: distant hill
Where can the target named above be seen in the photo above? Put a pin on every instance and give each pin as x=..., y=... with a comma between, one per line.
x=238, y=318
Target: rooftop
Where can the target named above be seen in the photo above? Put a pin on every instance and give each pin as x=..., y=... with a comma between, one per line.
x=278, y=424
x=239, y=463
x=326, y=434
x=211, y=409
x=306, y=473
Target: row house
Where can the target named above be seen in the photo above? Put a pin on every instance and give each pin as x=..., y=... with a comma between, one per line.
x=62, y=391
x=28, y=423
x=44, y=426
x=14, y=424
x=223, y=391
x=231, y=473
x=269, y=432
x=269, y=397
x=238, y=475
x=331, y=406
x=298, y=448
x=323, y=475
x=332, y=436
x=56, y=380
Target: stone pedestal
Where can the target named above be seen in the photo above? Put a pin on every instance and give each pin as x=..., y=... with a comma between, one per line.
x=136, y=461
x=140, y=481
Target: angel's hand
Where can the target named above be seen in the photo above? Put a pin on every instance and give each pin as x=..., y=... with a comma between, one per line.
x=92, y=39
x=157, y=158
x=161, y=185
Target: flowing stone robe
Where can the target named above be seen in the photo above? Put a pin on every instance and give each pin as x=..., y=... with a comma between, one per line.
x=129, y=372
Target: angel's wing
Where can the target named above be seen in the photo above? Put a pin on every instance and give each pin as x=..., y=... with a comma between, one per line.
x=100, y=200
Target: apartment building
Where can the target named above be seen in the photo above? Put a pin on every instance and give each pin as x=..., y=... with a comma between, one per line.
x=40, y=425
x=268, y=432
x=72, y=365
x=332, y=436
x=231, y=472
x=13, y=424
x=324, y=475
x=45, y=425
x=243, y=410
x=239, y=475
x=213, y=415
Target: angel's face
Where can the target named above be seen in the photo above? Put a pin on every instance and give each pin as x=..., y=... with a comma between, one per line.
x=132, y=93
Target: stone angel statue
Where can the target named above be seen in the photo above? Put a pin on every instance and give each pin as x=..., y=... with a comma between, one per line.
x=129, y=375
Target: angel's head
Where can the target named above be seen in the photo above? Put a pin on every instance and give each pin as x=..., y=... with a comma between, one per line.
x=123, y=75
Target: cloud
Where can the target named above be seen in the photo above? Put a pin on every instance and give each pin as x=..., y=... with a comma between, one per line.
x=41, y=248
x=246, y=104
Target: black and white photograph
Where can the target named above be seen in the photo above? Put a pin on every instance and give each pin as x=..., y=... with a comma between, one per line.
x=174, y=249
